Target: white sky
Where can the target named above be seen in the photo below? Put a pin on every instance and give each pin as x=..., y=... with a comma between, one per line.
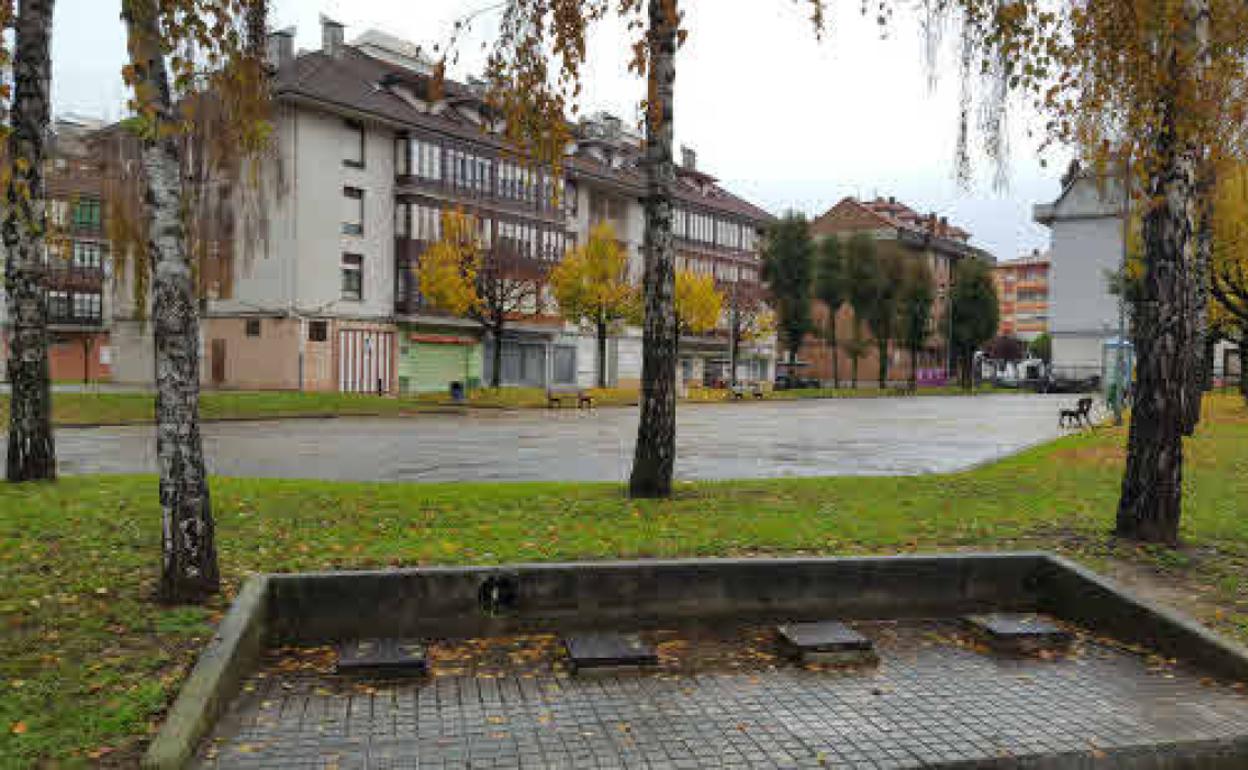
x=781, y=119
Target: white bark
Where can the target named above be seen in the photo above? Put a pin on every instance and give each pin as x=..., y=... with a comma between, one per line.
x=189, y=561
x=31, y=449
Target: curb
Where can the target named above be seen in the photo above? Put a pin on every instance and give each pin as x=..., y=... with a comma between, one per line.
x=214, y=681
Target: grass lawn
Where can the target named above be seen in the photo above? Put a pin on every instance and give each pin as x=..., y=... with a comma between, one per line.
x=109, y=408
x=88, y=662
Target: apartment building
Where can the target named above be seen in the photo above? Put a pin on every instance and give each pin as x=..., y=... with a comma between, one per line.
x=372, y=152
x=927, y=237
x=1023, y=296
x=76, y=255
x=1086, y=226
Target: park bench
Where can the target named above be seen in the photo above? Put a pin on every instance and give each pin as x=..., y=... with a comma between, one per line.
x=556, y=395
x=1081, y=414
x=741, y=390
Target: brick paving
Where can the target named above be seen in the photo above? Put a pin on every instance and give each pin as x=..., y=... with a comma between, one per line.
x=935, y=698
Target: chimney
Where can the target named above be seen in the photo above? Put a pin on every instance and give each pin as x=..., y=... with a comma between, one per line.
x=331, y=37
x=688, y=158
x=280, y=47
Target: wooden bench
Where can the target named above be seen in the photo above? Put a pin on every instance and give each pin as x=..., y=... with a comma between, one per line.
x=1081, y=414
x=556, y=396
x=740, y=390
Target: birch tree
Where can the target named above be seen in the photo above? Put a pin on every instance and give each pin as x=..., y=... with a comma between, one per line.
x=1156, y=88
x=179, y=49
x=31, y=447
x=535, y=71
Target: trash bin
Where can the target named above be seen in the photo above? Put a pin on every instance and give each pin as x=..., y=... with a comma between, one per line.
x=457, y=392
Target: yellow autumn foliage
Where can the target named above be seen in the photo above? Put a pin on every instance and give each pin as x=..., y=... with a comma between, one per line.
x=698, y=304
x=591, y=283
x=1230, y=243
x=448, y=269
x=760, y=325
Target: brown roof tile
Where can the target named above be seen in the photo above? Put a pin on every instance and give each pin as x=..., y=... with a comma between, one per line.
x=355, y=82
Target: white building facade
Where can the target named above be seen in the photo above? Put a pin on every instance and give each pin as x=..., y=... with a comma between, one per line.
x=372, y=153
x=1086, y=224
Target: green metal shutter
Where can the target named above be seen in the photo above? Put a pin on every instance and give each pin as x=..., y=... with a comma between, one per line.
x=432, y=368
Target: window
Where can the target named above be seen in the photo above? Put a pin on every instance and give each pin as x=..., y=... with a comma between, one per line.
x=352, y=277
x=58, y=304
x=353, y=144
x=86, y=255
x=420, y=158
x=87, y=306
x=422, y=222
x=87, y=214
x=253, y=327
x=318, y=331
x=58, y=212
x=353, y=211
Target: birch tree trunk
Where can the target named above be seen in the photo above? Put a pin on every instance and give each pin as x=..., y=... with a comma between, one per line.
x=31, y=450
x=1198, y=308
x=1152, y=487
x=655, y=453
x=189, y=571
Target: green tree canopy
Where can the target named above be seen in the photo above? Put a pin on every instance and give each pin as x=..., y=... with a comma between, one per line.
x=1042, y=348
x=788, y=268
x=975, y=312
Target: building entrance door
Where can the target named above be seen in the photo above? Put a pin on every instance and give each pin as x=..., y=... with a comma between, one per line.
x=218, y=363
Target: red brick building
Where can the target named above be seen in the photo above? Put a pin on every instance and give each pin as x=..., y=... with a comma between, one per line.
x=1023, y=296
x=918, y=236
x=77, y=256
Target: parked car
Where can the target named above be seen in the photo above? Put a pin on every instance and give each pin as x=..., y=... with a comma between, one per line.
x=793, y=382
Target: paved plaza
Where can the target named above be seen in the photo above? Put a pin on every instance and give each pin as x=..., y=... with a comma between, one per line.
x=885, y=436
x=936, y=699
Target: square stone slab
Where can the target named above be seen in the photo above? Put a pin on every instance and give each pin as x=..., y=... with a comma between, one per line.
x=1021, y=634
x=608, y=651
x=826, y=642
x=383, y=657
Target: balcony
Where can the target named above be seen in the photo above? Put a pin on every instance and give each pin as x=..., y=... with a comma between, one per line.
x=66, y=317
x=66, y=277
x=484, y=197
x=502, y=257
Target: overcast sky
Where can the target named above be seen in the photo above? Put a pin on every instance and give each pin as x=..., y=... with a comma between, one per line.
x=780, y=118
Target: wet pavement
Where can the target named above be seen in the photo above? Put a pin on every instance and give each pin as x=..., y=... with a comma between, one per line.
x=885, y=436
x=936, y=700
